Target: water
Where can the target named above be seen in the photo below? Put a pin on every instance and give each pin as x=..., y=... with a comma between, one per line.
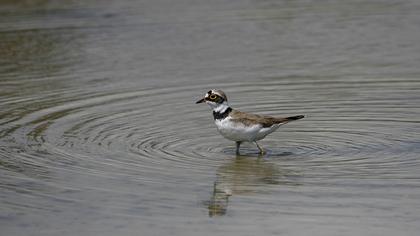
x=99, y=133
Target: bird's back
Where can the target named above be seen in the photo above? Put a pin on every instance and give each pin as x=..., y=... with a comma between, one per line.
x=264, y=120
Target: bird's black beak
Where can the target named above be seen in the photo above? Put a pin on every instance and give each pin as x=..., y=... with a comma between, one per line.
x=200, y=101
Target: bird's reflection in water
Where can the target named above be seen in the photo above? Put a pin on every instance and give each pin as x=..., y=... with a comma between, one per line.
x=246, y=175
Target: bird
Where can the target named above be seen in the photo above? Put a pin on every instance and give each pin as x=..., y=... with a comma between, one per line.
x=240, y=126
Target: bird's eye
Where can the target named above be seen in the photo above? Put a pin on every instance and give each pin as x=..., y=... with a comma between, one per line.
x=213, y=97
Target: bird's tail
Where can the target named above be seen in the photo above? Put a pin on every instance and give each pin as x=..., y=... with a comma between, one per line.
x=285, y=120
x=291, y=118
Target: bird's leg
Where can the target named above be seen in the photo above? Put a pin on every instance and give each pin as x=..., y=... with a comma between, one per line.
x=259, y=148
x=238, y=144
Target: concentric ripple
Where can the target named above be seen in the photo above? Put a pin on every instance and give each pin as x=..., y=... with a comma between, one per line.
x=87, y=151
x=157, y=129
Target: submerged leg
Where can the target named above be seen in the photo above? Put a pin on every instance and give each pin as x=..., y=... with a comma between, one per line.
x=260, y=148
x=238, y=143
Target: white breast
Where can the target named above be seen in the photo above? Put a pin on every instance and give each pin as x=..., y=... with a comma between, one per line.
x=237, y=131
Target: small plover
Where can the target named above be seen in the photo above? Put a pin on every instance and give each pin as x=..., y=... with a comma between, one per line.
x=240, y=126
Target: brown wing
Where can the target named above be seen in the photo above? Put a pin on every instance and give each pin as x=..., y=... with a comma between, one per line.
x=251, y=119
x=266, y=121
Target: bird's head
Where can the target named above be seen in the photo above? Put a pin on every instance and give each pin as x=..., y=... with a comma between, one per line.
x=216, y=99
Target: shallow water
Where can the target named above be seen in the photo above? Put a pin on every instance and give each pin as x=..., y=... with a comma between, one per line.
x=99, y=133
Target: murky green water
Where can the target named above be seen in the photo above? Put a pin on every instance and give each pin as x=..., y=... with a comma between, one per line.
x=99, y=133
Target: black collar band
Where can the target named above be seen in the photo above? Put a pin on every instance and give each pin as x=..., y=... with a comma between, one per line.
x=221, y=116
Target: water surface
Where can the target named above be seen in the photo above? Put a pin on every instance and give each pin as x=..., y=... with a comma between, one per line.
x=99, y=133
